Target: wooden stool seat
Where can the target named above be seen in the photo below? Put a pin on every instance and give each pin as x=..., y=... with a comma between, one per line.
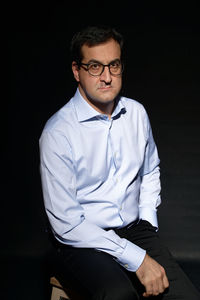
x=57, y=290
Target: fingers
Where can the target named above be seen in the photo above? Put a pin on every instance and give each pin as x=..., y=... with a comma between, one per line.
x=156, y=286
x=152, y=275
x=165, y=282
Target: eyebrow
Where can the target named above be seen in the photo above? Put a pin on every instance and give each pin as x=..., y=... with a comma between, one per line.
x=97, y=61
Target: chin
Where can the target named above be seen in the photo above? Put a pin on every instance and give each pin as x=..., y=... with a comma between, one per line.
x=107, y=96
x=105, y=100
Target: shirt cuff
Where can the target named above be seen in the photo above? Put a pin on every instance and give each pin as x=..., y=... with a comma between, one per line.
x=148, y=214
x=132, y=257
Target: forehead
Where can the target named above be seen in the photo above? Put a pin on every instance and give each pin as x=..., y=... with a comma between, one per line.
x=104, y=52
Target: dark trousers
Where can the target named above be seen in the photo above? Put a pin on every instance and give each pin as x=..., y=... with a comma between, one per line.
x=96, y=275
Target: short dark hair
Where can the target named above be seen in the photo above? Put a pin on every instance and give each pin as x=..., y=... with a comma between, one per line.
x=92, y=36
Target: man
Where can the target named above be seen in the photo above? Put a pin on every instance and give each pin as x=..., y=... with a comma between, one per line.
x=101, y=186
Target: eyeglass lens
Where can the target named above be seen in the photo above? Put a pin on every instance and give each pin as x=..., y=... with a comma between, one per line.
x=97, y=69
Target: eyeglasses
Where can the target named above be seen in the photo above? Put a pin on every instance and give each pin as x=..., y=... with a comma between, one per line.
x=96, y=68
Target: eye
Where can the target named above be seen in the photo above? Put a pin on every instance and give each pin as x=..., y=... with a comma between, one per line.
x=115, y=64
x=95, y=66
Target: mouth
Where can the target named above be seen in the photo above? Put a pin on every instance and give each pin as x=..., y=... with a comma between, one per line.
x=105, y=88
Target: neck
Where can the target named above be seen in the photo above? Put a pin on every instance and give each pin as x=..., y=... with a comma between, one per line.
x=105, y=109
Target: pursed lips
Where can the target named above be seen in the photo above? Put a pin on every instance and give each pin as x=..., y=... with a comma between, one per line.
x=105, y=87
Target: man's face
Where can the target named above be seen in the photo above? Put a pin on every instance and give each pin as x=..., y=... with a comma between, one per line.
x=99, y=91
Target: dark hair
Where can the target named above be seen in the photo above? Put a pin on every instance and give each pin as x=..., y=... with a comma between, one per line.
x=92, y=36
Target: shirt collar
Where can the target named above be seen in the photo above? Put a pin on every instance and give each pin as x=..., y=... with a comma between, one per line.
x=87, y=112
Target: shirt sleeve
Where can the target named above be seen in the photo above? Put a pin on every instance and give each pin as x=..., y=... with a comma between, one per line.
x=150, y=180
x=66, y=215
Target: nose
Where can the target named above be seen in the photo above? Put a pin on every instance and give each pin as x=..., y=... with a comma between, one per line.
x=106, y=76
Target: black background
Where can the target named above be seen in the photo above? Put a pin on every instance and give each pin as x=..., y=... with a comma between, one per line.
x=162, y=49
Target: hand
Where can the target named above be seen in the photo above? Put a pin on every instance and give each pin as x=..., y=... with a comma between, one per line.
x=152, y=275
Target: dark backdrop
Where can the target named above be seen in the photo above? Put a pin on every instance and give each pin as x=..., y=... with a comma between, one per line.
x=162, y=72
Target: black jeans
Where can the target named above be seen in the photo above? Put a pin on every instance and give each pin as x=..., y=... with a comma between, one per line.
x=96, y=275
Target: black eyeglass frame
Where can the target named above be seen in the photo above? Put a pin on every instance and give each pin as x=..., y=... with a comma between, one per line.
x=108, y=65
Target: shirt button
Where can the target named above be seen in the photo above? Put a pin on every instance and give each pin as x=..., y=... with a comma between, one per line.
x=126, y=266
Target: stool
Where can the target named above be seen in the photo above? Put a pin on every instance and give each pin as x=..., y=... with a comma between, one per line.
x=57, y=290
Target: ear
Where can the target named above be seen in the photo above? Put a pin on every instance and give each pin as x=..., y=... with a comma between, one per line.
x=75, y=70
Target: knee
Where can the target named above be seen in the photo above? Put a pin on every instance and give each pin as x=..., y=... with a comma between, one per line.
x=117, y=292
x=122, y=294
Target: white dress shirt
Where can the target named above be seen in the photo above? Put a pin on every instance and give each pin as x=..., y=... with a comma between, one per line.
x=100, y=173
